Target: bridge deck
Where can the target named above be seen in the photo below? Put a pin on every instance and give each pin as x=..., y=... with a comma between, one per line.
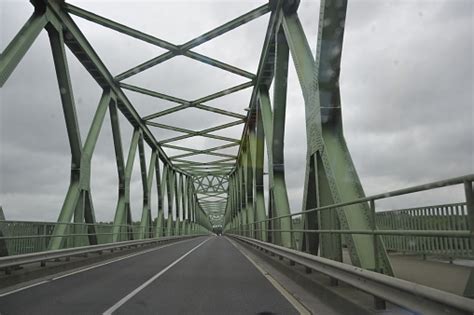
x=214, y=278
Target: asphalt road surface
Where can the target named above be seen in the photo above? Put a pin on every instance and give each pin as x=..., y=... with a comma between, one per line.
x=205, y=275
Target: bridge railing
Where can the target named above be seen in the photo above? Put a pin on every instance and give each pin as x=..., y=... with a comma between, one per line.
x=445, y=230
x=447, y=217
x=24, y=237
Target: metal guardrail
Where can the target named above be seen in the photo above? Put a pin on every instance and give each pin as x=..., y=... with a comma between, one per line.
x=23, y=237
x=18, y=260
x=438, y=232
x=414, y=297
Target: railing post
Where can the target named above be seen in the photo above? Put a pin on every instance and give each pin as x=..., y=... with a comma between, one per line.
x=378, y=302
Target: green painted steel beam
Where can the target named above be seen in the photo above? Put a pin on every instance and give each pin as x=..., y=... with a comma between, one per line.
x=173, y=49
x=265, y=65
x=117, y=26
x=20, y=44
x=202, y=153
x=196, y=151
x=327, y=148
x=279, y=203
x=239, y=21
x=183, y=49
x=153, y=93
x=82, y=49
x=202, y=133
x=225, y=92
x=186, y=104
x=218, y=64
x=191, y=133
x=218, y=111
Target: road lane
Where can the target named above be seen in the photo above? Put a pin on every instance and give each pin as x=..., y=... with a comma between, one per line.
x=93, y=291
x=214, y=279
x=191, y=277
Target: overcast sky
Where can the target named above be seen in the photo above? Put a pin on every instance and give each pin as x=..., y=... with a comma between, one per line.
x=406, y=87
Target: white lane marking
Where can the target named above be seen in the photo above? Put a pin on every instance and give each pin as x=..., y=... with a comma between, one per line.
x=92, y=267
x=293, y=301
x=23, y=288
x=118, y=259
x=114, y=307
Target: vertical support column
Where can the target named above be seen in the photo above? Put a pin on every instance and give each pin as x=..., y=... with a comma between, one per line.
x=159, y=188
x=78, y=201
x=243, y=188
x=259, y=184
x=190, y=205
x=249, y=182
x=146, y=222
x=118, y=148
x=279, y=205
x=327, y=150
x=176, y=202
x=69, y=109
x=123, y=229
x=280, y=194
x=3, y=242
x=469, y=193
x=310, y=241
x=170, y=194
x=184, y=199
x=179, y=204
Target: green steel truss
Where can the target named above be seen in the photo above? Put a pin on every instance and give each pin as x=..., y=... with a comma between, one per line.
x=227, y=192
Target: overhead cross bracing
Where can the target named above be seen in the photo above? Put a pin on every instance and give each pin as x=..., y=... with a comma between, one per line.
x=217, y=163
x=202, y=161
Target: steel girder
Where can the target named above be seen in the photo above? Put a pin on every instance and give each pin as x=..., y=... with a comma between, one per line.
x=329, y=164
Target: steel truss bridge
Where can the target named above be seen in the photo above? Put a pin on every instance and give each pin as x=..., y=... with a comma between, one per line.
x=226, y=194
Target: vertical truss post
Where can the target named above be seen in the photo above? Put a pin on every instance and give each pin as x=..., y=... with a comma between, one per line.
x=328, y=154
x=310, y=241
x=279, y=204
x=469, y=193
x=184, y=203
x=192, y=218
x=170, y=195
x=179, y=204
x=190, y=205
x=249, y=183
x=259, y=184
x=159, y=188
x=123, y=216
x=69, y=109
x=161, y=225
x=277, y=170
x=235, y=202
x=146, y=222
x=118, y=148
x=78, y=201
x=243, y=193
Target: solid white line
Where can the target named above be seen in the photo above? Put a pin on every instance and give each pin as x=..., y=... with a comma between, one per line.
x=92, y=267
x=23, y=288
x=115, y=260
x=114, y=307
